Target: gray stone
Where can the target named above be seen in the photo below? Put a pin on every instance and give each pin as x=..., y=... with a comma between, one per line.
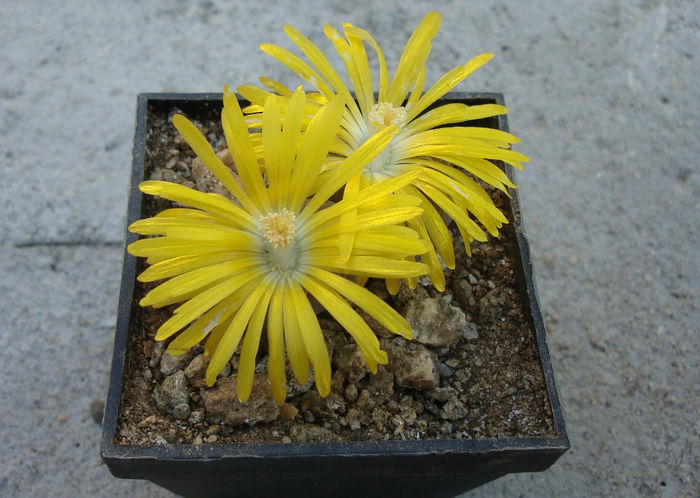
x=413, y=365
x=172, y=392
x=169, y=364
x=350, y=360
x=197, y=368
x=181, y=411
x=222, y=405
x=436, y=322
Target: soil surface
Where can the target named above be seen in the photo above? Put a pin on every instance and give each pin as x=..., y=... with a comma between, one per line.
x=480, y=379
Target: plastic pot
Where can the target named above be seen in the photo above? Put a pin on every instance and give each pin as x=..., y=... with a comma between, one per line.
x=374, y=468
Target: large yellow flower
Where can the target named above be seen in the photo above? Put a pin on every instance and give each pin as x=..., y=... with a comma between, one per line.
x=236, y=264
x=440, y=154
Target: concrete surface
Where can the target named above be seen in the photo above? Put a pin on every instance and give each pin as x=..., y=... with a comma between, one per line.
x=604, y=95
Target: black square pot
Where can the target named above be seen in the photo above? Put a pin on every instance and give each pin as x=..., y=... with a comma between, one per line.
x=432, y=468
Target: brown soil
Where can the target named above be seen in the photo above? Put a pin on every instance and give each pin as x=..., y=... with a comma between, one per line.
x=490, y=387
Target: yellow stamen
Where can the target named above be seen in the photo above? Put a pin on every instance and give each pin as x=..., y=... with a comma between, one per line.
x=278, y=228
x=385, y=114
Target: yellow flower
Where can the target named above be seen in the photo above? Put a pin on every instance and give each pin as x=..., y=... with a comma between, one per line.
x=440, y=154
x=234, y=264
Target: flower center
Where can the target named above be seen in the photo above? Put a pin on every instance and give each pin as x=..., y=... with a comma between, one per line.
x=278, y=232
x=380, y=116
x=385, y=114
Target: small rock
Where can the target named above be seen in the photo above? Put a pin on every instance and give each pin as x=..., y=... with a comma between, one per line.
x=337, y=381
x=363, y=398
x=169, y=364
x=288, y=411
x=409, y=416
x=172, y=392
x=349, y=359
x=312, y=434
x=335, y=403
x=454, y=409
x=444, y=370
x=156, y=353
x=463, y=293
x=225, y=156
x=62, y=417
x=435, y=322
x=148, y=421
x=205, y=179
x=353, y=419
x=413, y=365
x=470, y=331
x=97, y=408
x=197, y=368
x=294, y=388
x=222, y=405
x=452, y=362
x=181, y=411
x=225, y=372
x=381, y=385
x=376, y=327
x=351, y=393
x=196, y=417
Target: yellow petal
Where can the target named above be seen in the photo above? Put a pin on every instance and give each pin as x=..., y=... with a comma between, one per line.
x=451, y=114
x=436, y=229
x=298, y=66
x=352, y=31
x=365, y=221
x=367, y=301
x=413, y=57
x=314, y=342
x=200, y=328
x=202, y=303
x=366, y=196
x=430, y=258
x=181, y=264
x=275, y=86
x=315, y=143
x=272, y=140
x=249, y=349
x=454, y=211
x=357, y=65
x=296, y=351
x=446, y=83
x=213, y=203
x=231, y=338
x=275, y=340
x=393, y=285
x=350, y=167
x=349, y=319
x=241, y=147
x=195, y=280
x=372, y=266
x=163, y=248
x=201, y=147
x=347, y=240
x=318, y=60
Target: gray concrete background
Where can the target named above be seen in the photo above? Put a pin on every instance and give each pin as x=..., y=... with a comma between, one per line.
x=604, y=95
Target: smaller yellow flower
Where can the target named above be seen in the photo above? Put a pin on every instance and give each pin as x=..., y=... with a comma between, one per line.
x=428, y=142
x=236, y=265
